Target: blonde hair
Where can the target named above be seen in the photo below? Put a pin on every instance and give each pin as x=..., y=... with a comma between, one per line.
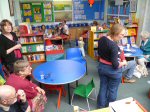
x=19, y=65
x=116, y=29
x=145, y=34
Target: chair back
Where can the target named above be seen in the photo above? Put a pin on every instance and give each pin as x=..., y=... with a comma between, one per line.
x=89, y=87
x=73, y=53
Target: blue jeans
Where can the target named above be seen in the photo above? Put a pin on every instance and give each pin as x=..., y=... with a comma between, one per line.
x=109, y=82
x=129, y=69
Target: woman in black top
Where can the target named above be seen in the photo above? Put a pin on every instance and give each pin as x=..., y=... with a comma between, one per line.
x=109, y=69
x=9, y=46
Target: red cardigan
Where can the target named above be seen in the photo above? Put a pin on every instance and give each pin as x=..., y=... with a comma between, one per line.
x=19, y=83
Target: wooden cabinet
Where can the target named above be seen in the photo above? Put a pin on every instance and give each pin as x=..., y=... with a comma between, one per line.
x=93, y=42
x=32, y=47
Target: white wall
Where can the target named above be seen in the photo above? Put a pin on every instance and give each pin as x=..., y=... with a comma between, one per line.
x=143, y=15
x=5, y=12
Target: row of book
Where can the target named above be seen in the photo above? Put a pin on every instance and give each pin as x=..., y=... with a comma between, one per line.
x=127, y=40
x=34, y=57
x=124, y=10
x=31, y=39
x=53, y=47
x=32, y=48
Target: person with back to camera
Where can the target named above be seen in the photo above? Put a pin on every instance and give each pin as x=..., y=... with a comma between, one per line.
x=81, y=45
x=145, y=47
x=9, y=45
x=111, y=66
x=12, y=101
x=35, y=95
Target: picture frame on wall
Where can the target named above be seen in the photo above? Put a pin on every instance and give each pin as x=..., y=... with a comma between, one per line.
x=11, y=7
x=133, y=5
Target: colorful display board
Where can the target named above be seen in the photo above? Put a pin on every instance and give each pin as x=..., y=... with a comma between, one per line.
x=37, y=12
x=83, y=11
x=56, y=11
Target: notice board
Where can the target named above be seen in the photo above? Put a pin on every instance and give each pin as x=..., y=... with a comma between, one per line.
x=83, y=11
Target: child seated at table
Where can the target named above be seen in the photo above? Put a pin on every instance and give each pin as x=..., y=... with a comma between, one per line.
x=145, y=47
x=35, y=95
x=81, y=45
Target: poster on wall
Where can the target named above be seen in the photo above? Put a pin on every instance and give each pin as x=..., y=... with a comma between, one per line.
x=133, y=5
x=83, y=11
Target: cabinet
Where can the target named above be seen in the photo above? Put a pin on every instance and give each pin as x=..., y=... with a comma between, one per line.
x=93, y=42
x=32, y=47
x=52, y=51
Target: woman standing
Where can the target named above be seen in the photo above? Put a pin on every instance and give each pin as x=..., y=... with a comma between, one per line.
x=109, y=69
x=9, y=46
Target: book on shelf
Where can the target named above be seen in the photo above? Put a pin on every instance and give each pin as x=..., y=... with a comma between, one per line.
x=24, y=49
x=29, y=48
x=132, y=40
x=95, y=44
x=124, y=41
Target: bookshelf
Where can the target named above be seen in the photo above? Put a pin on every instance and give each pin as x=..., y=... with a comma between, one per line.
x=32, y=47
x=131, y=35
x=94, y=36
x=118, y=11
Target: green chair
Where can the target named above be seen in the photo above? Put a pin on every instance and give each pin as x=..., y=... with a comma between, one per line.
x=84, y=91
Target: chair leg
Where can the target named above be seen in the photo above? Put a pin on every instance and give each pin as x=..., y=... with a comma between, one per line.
x=72, y=98
x=88, y=103
x=95, y=94
x=59, y=98
x=86, y=69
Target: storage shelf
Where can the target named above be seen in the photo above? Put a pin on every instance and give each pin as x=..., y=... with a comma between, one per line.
x=37, y=61
x=27, y=43
x=33, y=34
x=118, y=15
x=37, y=52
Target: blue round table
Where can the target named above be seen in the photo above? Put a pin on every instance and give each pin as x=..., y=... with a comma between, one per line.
x=59, y=72
x=133, y=52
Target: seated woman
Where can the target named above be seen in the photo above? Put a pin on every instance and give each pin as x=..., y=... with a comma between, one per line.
x=35, y=95
x=145, y=47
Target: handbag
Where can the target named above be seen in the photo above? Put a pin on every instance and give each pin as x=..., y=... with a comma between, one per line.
x=18, y=54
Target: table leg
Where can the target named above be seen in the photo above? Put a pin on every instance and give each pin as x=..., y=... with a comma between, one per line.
x=76, y=83
x=69, y=94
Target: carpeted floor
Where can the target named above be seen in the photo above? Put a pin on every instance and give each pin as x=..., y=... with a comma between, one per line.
x=137, y=90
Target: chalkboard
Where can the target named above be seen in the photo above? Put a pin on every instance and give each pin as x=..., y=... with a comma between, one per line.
x=83, y=11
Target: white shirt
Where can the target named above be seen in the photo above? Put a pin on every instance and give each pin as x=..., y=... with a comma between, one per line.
x=66, y=29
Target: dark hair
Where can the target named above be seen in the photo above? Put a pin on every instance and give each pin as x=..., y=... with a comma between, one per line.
x=3, y=23
x=95, y=23
x=43, y=26
x=64, y=21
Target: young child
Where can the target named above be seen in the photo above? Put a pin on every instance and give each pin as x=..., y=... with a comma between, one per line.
x=81, y=45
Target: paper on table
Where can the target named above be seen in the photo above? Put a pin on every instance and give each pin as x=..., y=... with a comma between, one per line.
x=134, y=45
x=127, y=54
x=125, y=105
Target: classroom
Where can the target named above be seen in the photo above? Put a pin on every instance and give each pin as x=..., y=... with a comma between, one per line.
x=74, y=55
